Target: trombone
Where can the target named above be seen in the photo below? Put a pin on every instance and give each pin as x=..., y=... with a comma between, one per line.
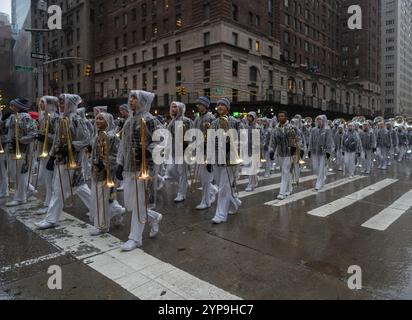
x=103, y=154
x=45, y=151
x=18, y=155
x=66, y=139
x=144, y=174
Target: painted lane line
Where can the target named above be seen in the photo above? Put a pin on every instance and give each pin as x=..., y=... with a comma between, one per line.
x=344, y=202
x=262, y=178
x=143, y=275
x=390, y=214
x=308, y=193
x=273, y=187
x=33, y=261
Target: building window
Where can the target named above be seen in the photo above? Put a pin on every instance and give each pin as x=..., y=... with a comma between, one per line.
x=178, y=74
x=166, y=76
x=235, y=39
x=178, y=46
x=154, y=53
x=166, y=49
x=134, y=82
x=235, y=95
x=154, y=80
x=235, y=68
x=179, y=21
x=257, y=46
x=235, y=12
x=250, y=44
x=155, y=29
x=206, y=39
x=206, y=71
x=253, y=74
x=144, y=81
x=206, y=11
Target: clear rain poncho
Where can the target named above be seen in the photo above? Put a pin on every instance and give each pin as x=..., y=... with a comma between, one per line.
x=321, y=140
x=113, y=146
x=130, y=151
x=51, y=107
x=351, y=140
x=79, y=132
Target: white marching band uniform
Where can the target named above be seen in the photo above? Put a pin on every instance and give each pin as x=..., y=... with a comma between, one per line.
x=320, y=149
x=116, y=154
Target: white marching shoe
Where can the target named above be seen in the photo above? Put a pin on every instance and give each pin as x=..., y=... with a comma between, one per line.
x=281, y=197
x=217, y=220
x=154, y=231
x=15, y=203
x=202, y=206
x=130, y=245
x=179, y=198
x=44, y=225
x=99, y=232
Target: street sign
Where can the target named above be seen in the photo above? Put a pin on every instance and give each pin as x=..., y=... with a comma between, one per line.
x=25, y=69
x=40, y=56
x=284, y=97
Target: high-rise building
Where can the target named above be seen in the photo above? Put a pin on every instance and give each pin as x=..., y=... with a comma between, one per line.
x=6, y=55
x=360, y=48
x=397, y=57
x=73, y=46
x=20, y=9
x=309, y=34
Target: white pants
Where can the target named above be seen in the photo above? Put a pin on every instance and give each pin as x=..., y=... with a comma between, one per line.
x=4, y=177
x=367, y=161
x=56, y=205
x=383, y=158
x=179, y=173
x=21, y=190
x=268, y=164
x=402, y=152
x=350, y=163
x=319, y=168
x=286, y=180
x=100, y=212
x=226, y=201
x=137, y=204
x=339, y=160
x=206, y=179
x=45, y=179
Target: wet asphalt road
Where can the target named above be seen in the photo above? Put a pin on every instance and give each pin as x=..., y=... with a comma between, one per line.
x=263, y=252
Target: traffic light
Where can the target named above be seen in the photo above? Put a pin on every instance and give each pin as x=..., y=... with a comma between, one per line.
x=181, y=91
x=87, y=70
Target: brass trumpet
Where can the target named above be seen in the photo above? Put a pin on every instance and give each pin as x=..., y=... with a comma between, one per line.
x=45, y=151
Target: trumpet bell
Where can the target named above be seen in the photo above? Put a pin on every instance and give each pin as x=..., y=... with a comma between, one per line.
x=302, y=162
x=44, y=155
x=72, y=165
x=18, y=156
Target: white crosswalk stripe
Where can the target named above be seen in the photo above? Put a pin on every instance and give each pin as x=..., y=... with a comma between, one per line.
x=390, y=214
x=272, y=176
x=273, y=187
x=308, y=193
x=344, y=202
x=141, y=274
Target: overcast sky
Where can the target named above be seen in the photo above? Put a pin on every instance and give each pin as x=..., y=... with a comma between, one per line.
x=5, y=6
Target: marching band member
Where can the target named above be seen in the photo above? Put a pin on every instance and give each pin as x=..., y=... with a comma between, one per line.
x=84, y=154
x=352, y=147
x=22, y=130
x=205, y=171
x=403, y=142
x=338, y=142
x=130, y=163
x=266, y=133
x=368, y=140
x=124, y=114
x=320, y=149
x=48, y=120
x=4, y=177
x=69, y=141
x=383, y=143
x=409, y=152
x=284, y=143
x=394, y=143
x=250, y=126
x=225, y=174
x=104, y=162
x=296, y=122
x=179, y=171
